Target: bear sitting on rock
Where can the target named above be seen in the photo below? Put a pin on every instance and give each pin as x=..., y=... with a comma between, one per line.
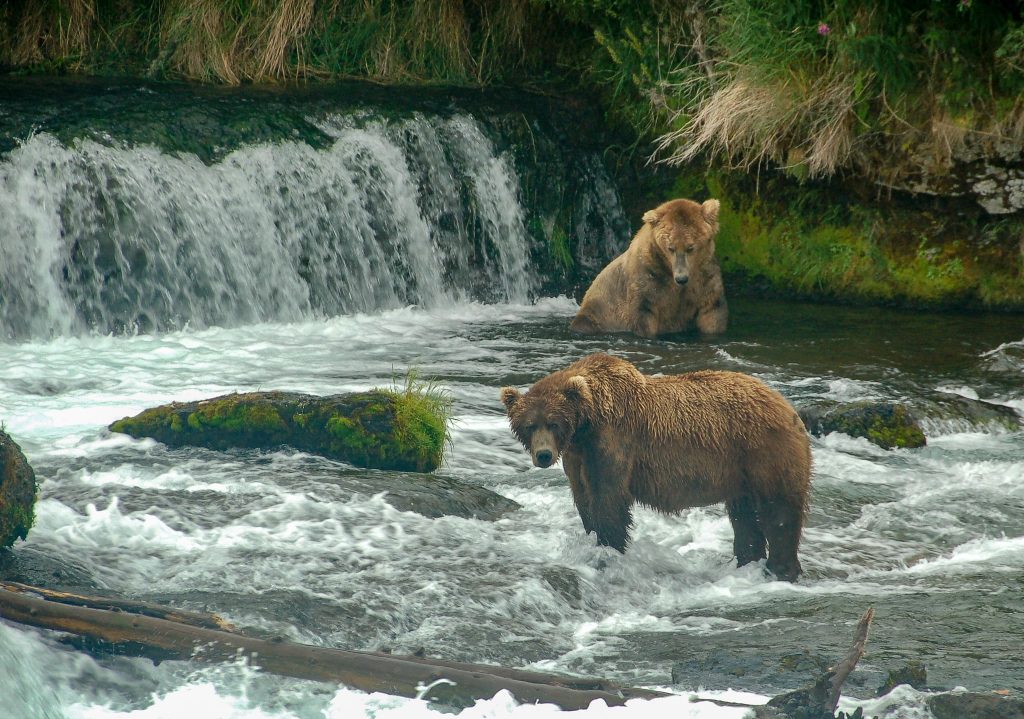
x=666, y=281
x=670, y=443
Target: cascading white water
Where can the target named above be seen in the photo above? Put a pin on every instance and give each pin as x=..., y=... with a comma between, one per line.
x=103, y=236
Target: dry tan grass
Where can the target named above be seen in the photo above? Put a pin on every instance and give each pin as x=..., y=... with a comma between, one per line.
x=194, y=28
x=271, y=30
x=504, y=26
x=749, y=120
x=47, y=31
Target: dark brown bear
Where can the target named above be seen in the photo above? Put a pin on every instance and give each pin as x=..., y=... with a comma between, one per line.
x=670, y=443
x=668, y=279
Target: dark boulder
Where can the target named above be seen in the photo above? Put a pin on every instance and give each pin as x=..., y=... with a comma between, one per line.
x=17, y=492
x=887, y=424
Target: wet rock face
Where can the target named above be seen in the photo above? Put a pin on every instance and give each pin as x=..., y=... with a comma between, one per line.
x=17, y=492
x=987, y=169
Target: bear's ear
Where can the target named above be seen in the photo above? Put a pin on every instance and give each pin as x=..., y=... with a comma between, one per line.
x=509, y=396
x=652, y=217
x=710, y=211
x=577, y=388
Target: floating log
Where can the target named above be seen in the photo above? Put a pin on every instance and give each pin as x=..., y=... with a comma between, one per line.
x=452, y=683
x=381, y=429
x=17, y=492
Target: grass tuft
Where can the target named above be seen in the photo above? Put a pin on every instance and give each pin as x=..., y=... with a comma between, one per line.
x=423, y=412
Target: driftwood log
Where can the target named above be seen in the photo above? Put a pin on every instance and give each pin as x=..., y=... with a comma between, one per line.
x=822, y=698
x=164, y=633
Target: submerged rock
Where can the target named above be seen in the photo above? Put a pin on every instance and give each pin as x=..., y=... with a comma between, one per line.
x=969, y=705
x=887, y=424
x=381, y=429
x=952, y=412
x=437, y=496
x=913, y=673
x=17, y=492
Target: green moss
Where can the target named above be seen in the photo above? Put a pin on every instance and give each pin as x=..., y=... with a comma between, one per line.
x=901, y=430
x=233, y=415
x=17, y=493
x=816, y=242
x=389, y=429
x=351, y=438
x=162, y=416
x=559, y=248
x=887, y=425
x=17, y=522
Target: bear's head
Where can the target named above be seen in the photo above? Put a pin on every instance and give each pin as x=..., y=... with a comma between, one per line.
x=546, y=418
x=685, y=231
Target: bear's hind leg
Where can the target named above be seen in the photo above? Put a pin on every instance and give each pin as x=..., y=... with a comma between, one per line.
x=748, y=540
x=781, y=521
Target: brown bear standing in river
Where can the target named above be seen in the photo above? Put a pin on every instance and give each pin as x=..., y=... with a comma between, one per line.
x=667, y=279
x=670, y=443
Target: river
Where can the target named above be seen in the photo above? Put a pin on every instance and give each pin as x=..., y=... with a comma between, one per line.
x=281, y=544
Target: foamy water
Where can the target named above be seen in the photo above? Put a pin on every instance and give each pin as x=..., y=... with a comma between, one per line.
x=280, y=543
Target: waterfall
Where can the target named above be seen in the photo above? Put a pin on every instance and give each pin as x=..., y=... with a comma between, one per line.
x=100, y=234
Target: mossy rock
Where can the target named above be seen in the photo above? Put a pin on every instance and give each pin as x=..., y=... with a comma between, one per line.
x=890, y=425
x=379, y=429
x=913, y=673
x=17, y=492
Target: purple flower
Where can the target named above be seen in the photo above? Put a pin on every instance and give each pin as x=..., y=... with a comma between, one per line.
x=824, y=29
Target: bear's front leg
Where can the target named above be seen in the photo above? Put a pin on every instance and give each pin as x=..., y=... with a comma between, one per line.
x=713, y=320
x=645, y=326
x=573, y=466
x=613, y=518
x=611, y=504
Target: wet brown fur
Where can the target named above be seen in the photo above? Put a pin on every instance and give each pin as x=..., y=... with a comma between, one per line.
x=671, y=443
x=637, y=292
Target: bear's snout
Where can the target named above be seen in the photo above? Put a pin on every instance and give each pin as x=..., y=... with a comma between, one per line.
x=682, y=279
x=543, y=448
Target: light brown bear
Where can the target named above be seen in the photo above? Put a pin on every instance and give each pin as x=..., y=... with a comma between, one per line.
x=669, y=443
x=666, y=281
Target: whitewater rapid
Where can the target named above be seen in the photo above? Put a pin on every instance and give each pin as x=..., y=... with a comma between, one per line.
x=277, y=543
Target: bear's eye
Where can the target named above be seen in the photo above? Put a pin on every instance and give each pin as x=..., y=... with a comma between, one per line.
x=690, y=249
x=671, y=248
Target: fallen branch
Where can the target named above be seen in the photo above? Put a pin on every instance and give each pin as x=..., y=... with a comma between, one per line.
x=822, y=698
x=196, y=619
x=366, y=671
